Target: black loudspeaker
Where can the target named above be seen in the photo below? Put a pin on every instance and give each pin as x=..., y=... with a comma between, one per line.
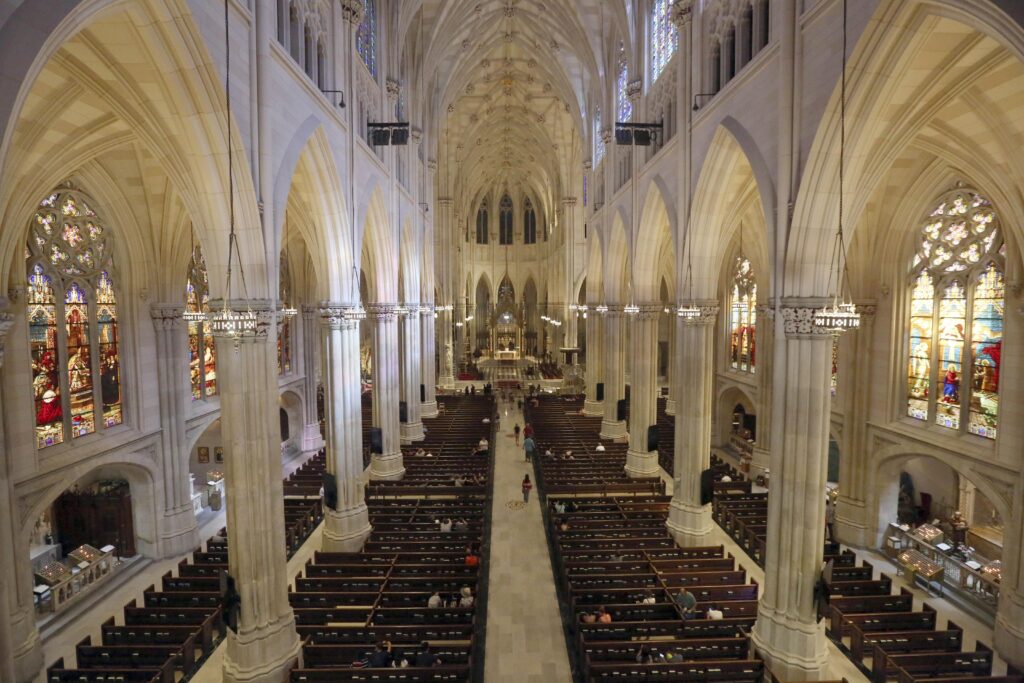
x=376, y=440
x=330, y=491
x=403, y=411
x=707, y=486
x=653, y=436
x=230, y=600
x=599, y=392
x=620, y=410
x=423, y=393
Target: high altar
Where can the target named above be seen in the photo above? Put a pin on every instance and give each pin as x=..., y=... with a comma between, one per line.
x=505, y=324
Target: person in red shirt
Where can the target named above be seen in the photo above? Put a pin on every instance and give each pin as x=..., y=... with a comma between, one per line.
x=528, y=431
x=527, y=485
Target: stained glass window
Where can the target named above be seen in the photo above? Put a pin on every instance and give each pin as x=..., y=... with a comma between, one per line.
x=68, y=252
x=625, y=107
x=956, y=316
x=505, y=220
x=481, y=223
x=529, y=223
x=202, y=354
x=284, y=332
x=664, y=37
x=835, y=364
x=743, y=316
x=366, y=36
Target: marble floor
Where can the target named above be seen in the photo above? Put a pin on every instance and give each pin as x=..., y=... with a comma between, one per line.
x=525, y=641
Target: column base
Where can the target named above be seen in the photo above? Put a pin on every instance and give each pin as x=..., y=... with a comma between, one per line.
x=428, y=409
x=690, y=525
x=793, y=650
x=759, y=462
x=670, y=406
x=641, y=464
x=1009, y=628
x=447, y=381
x=345, y=531
x=263, y=655
x=387, y=466
x=311, y=438
x=179, y=533
x=28, y=654
x=850, y=527
x=411, y=431
x=613, y=429
x=593, y=408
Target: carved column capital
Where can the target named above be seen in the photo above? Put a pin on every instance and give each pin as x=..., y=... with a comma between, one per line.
x=384, y=312
x=569, y=201
x=708, y=314
x=167, y=316
x=588, y=164
x=393, y=88
x=6, y=321
x=431, y=165
x=682, y=13
x=352, y=11
x=606, y=135
x=339, y=316
x=798, y=321
x=633, y=89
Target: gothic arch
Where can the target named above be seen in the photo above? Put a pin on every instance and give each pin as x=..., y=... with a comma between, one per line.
x=654, y=247
x=379, y=251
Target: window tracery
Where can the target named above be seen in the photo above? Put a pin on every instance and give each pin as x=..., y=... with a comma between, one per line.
x=74, y=337
x=201, y=349
x=957, y=304
x=366, y=36
x=664, y=37
x=625, y=107
x=284, y=332
x=505, y=220
x=481, y=223
x=529, y=223
x=743, y=316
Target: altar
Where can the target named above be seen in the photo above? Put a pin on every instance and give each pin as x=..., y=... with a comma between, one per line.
x=506, y=355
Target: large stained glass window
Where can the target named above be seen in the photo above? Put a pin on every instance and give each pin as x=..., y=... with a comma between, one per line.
x=505, y=220
x=956, y=316
x=529, y=223
x=202, y=354
x=366, y=36
x=743, y=316
x=284, y=330
x=481, y=223
x=73, y=337
x=625, y=107
x=664, y=37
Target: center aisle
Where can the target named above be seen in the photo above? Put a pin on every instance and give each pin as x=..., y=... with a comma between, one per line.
x=525, y=641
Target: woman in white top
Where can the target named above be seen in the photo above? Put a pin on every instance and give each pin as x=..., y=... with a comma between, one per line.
x=714, y=614
x=467, y=597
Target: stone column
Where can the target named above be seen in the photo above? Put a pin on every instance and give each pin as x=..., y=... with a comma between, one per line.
x=787, y=632
x=312, y=439
x=347, y=526
x=764, y=348
x=447, y=345
x=643, y=394
x=854, y=521
x=21, y=653
x=670, y=400
x=265, y=646
x=595, y=363
x=689, y=522
x=428, y=362
x=614, y=372
x=409, y=373
x=178, y=531
x=384, y=319
x=1009, y=627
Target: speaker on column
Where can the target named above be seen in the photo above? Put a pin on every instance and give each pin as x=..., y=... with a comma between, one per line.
x=376, y=440
x=620, y=410
x=653, y=437
x=423, y=393
x=707, y=486
x=330, y=484
x=403, y=411
x=599, y=391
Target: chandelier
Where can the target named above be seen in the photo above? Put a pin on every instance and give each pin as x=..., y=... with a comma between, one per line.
x=841, y=315
x=601, y=308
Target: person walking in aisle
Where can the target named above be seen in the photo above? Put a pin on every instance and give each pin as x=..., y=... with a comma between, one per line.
x=527, y=485
x=516, y=430
x=528, y=448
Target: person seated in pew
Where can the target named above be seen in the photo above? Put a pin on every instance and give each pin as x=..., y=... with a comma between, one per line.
x=599, y=448
x=461, y=525
x=445, y=525
x=559, y=507
x=466, y=598
x=459, y=481
x=483, y=446
x=434, y=601
x=420, y=452
x=648, y=598
x=646, y=655
x=588, y=617
x=382, y=656
x=424, y=657
x=687, y=602
x=548, y=453
x=603, y=616
x=563, y=525
x=714, y=613
x=726, y=479
x=472, y=556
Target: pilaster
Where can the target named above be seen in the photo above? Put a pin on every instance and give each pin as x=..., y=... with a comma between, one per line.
x=643, y=395
x=409, y=344
x=615, y=372
x=595, y=363
x=428, y=361
x=347, y=525
x=178, y=529
x=266, y=645
x=383, y=317
x=312, y=439
x=787, y=632
x=689, y=521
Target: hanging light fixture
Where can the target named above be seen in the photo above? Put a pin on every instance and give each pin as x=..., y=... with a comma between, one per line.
x=601, y=308
x=840, y=315
x=227, y=322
